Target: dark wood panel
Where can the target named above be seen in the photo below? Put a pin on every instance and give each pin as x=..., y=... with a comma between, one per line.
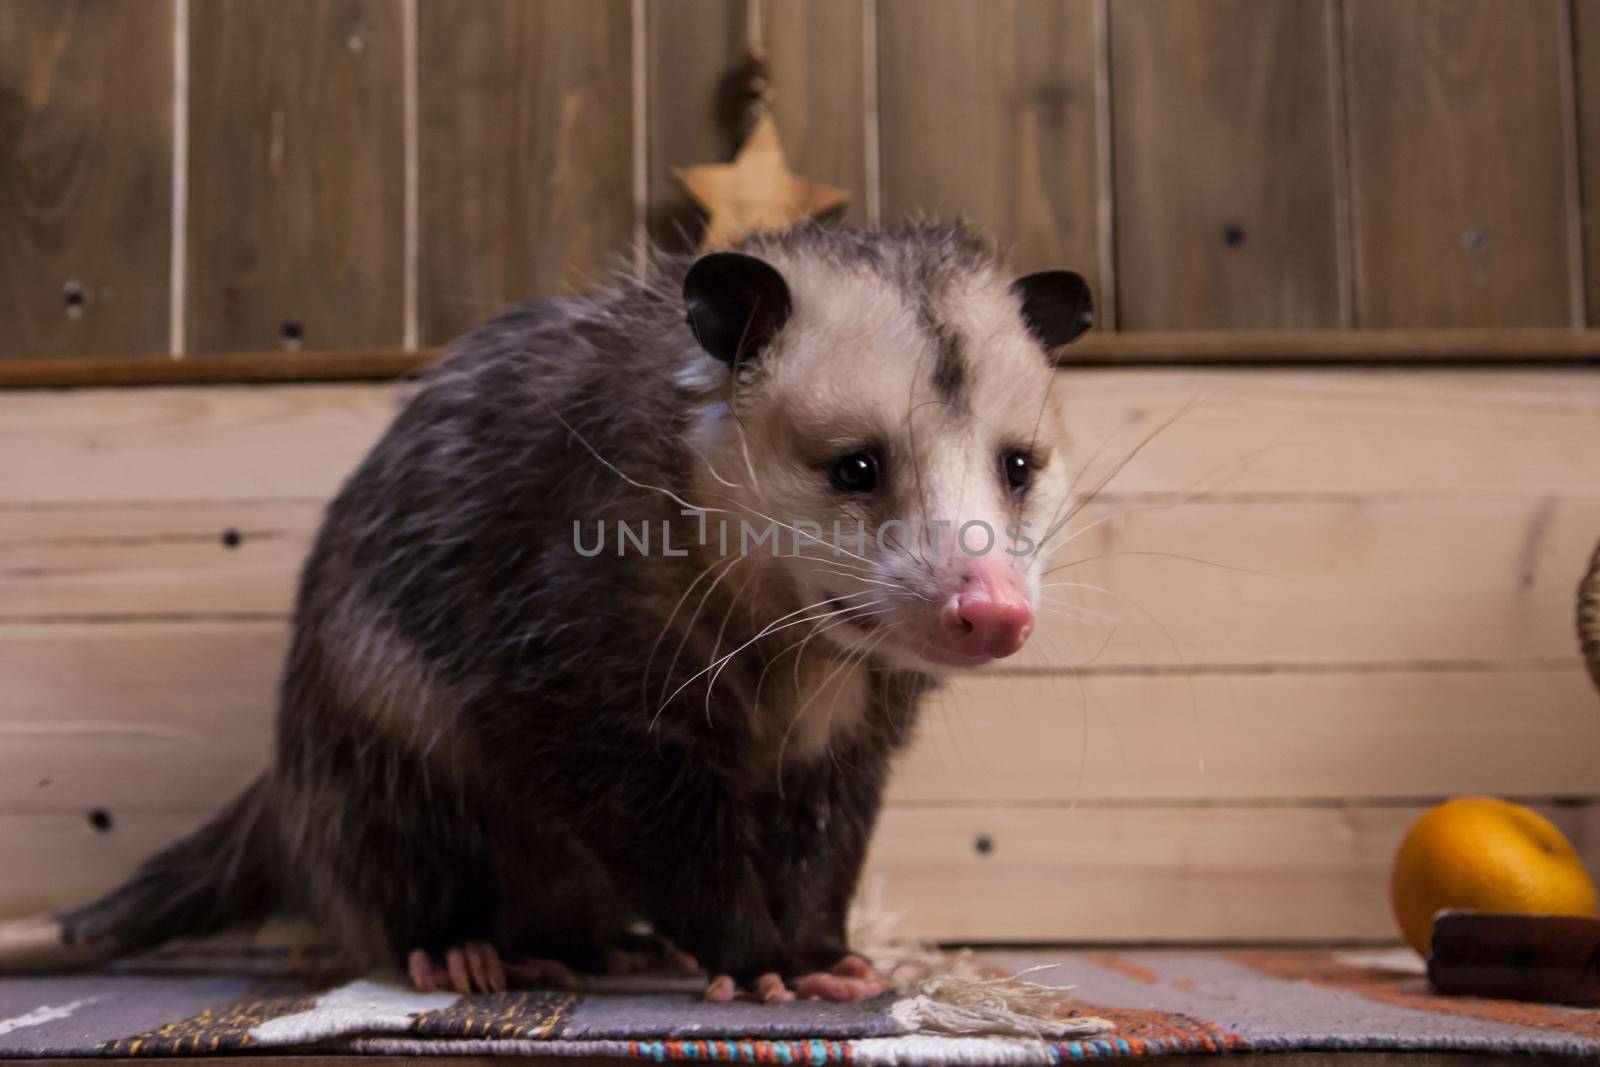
x=1458, y=162
x=296, y=229
x=987, y=111
x=85, y=177
x=526, y=157
x=695, y=51
x=1223, y=141
x=816, y=51
x=1586, y=59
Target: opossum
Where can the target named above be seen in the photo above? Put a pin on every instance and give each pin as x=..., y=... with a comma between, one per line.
x=500, y=748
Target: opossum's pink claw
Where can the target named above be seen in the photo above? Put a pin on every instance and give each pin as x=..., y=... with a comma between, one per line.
x=420, y=967
x=722, y=990
x=455, y=962
x=852, y=966
x=488, y=973
x=837, y=987
x=771, y=990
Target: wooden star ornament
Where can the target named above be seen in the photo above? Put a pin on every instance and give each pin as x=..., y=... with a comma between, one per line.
x=757, y=191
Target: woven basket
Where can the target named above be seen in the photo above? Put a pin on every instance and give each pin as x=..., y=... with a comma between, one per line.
x=1589, y=616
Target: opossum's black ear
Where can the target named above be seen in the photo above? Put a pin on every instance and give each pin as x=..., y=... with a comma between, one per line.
x=1056, y=306
x=736, y=304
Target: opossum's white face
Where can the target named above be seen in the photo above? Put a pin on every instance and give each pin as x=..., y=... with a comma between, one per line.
x=906, y=444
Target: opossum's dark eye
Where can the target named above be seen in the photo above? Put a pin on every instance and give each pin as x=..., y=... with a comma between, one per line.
x=1018, y=469
x=855, y=473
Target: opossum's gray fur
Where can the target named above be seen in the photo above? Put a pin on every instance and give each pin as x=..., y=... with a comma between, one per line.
x=471, y=743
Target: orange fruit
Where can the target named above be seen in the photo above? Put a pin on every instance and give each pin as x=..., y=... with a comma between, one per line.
x=1485, y=854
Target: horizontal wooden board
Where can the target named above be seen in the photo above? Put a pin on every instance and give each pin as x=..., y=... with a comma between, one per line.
x=135, y=716
x=1286, y=582
x=1230, y=735
x=1429, y=348
x=1370, y=433
x=119, y=561
x=1048, y=874
x=92, y=710
x=57, y=861
x=1141, y=875
x=208, y=443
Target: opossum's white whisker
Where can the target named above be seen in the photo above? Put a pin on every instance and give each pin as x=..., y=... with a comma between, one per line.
x=772, y=627
x=644, y=681
x=792, y=529
x=666, y=679
x=612, y=467
x=1177, y=651
x=1116, y=469
x=709, y=466
x=1163, y=555
x=720, y=667
x=799, y=712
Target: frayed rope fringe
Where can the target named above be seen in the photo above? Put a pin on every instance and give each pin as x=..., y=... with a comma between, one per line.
x=1011, y=1006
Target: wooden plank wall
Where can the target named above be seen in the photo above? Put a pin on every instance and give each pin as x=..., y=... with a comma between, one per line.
x=191, y=176
x=1320, y=602
x=1313, y=606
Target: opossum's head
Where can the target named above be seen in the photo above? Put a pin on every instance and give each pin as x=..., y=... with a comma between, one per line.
x=886, y=402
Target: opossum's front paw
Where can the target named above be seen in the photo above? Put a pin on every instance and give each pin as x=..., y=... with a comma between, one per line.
x=474, y=967
x=851, y=978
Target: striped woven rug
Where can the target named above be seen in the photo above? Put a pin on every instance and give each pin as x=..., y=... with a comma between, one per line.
x=1112, y=1005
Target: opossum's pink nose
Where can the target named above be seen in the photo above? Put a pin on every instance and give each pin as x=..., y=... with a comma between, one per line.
x=987, y=619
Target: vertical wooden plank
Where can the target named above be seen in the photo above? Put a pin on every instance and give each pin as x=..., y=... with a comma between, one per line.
x=1458, y=168
x=987, y=111
x=817, y=70
x=296, y=174
x=1224, y=160
x=525, y=152
x=1586, y=63
x=695, y=51
x=85, y=177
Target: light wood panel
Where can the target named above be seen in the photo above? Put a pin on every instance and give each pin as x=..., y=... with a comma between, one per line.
x=1328, y=583
x=229, y=444
x=1114, y=875
x=1459, y=162
x=1295, y=581
x=85, y=177
x=152, y=716
x=1239, y=435
x=1408, y=642
x=1272, y=734
x=987, y=112
x=1226, y=170
x=1092, y=875
x=57, y=861
x=216, y=560
x=93, y=706
x=526, y=154
x=296, y=224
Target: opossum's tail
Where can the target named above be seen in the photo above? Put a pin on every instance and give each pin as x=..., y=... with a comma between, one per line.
x=222, y=875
